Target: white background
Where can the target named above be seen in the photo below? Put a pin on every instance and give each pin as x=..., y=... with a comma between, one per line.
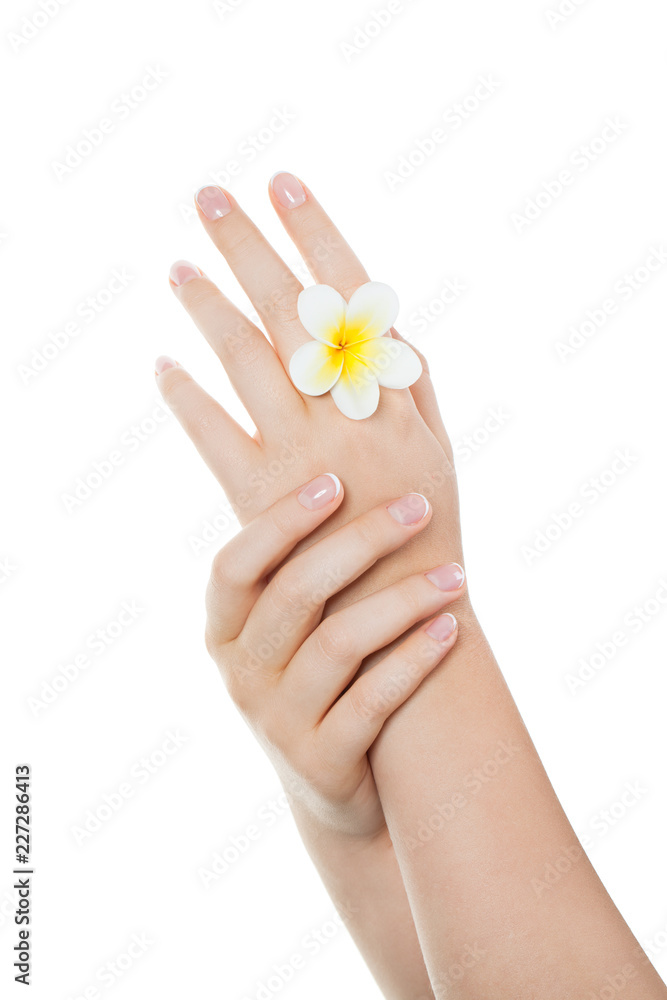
x=354, y=112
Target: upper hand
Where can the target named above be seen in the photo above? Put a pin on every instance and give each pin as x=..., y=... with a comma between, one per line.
x=402, y=447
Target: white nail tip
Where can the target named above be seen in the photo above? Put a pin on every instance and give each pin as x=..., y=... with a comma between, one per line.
x=336, y=481
x=426, y=503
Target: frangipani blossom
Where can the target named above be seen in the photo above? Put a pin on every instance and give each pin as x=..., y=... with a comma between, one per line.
x=350, y=355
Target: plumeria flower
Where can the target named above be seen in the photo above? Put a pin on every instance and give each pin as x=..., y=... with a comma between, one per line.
x=351, y=356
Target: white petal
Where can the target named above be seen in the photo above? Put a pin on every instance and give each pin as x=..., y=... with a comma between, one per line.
x=371, y=311
x=356, y=393
x=394, y=363
x=314, y=367
x=321, y=310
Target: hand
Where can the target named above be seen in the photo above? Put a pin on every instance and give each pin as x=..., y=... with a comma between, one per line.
x=292, y=674
x=299, y=435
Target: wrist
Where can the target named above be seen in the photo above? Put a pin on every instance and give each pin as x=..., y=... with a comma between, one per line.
x=337, y=830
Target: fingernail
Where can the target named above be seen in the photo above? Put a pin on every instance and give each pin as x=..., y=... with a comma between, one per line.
x=287, y=189
x=409, y=509
x=449, y=577
x=183, y=271
x=213, y=202
x=319, y=492
x=442, y=627
x=164, y=362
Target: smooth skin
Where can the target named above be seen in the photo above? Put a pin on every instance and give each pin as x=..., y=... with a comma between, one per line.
x=292, y=676
x=488, y=921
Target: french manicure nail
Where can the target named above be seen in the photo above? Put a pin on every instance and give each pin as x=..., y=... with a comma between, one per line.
x=410, y=509
x=319, y=492
x=164, y=362
x=442, y=627
x=213, y=202
x=288, y=189
x=449, y=577
x=183, y=271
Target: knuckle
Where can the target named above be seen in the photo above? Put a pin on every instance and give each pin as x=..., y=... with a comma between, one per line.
x=402, y=413
x=241, y=241
x=287, y=592
x=364, y=702
x=335, y=643
x=197, y=294
x=243, y=681
x=239, y=691
x=225, y=572
x=225, y=661
x=281, y=520
x=200, y=422
x=281, y=307
x=245, y=351
x=424, y=363
x=212, y=642
x=368, y=534
x=408, y=597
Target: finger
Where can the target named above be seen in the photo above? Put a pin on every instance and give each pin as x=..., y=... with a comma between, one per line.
x=227, y=449
x=292, y=603
x=262, y=273
x=330, y=657
x=331, y=261
x=355, y=720
x=254, y=369
x=239, y=569
x=423, y=393
x=329, y=258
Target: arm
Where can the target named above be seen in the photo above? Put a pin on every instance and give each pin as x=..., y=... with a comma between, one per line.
x=505, y=900
x=365, y=883
x=497, y=843
x=292, y=677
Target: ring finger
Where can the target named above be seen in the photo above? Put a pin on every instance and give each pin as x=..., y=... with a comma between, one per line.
x=355, y=720
x=329, y=658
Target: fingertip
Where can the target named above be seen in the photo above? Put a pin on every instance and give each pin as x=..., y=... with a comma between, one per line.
x=337, y=483
x=213, y=202
x=443, y=628
x=182, y=271
x=287, y=190
x=319, y=492
x=163, y=363
x=411, y=510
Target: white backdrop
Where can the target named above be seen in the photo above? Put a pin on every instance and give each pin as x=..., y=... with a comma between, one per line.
x=502, y=167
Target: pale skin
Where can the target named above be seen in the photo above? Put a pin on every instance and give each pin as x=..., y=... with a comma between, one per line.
x=452, y=861
x=315, y=722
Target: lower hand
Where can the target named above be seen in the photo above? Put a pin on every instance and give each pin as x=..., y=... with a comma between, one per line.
x=291, y=673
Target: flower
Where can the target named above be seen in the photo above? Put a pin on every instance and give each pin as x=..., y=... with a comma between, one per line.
x=350, y=354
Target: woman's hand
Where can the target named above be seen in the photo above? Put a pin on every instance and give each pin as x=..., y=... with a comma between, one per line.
x=299, y=435
x=291, y=674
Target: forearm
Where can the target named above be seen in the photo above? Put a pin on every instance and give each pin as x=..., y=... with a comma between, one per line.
x=364, y=881
x=505, y=901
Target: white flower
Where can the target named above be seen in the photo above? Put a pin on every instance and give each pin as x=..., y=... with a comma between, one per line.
x=350, y=355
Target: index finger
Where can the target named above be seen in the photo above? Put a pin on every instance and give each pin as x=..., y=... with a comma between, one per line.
x=240, y=568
